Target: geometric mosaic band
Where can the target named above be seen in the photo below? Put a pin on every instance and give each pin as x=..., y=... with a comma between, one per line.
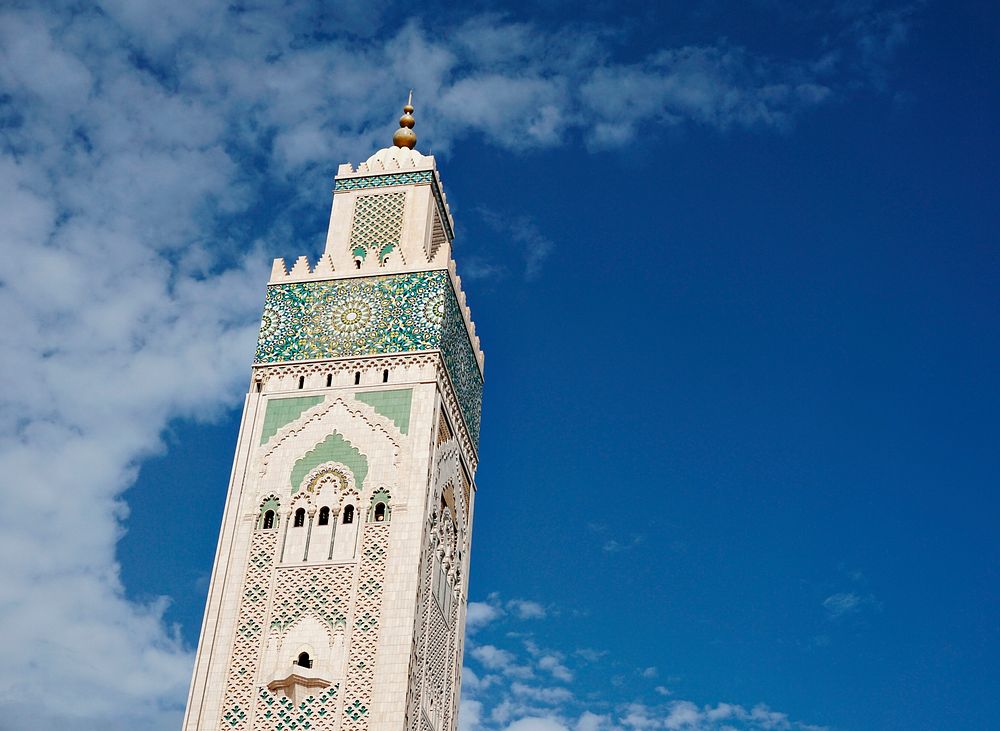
x=393, y=313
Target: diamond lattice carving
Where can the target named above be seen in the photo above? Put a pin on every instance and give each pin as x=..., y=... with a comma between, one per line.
x=238, y=697
x=364, y=634
x=315, y=713
x=377, y=224
x=323, y=590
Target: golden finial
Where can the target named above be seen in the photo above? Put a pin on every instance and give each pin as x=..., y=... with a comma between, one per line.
x=405, y=136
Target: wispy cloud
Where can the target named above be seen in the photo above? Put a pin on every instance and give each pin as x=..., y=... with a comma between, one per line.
x=526, y=609
x=614, y=543
x=846, y=603
x=526, y=242
x=480, y=614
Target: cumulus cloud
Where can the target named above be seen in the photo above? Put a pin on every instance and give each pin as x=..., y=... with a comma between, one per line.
x=480, y=614
x=526, y=609
x=532, y=696
x=552, y=663
x=133, y=156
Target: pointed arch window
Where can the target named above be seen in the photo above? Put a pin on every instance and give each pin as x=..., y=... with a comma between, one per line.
x=348, y=514
x=324, y=516
x=300, y=518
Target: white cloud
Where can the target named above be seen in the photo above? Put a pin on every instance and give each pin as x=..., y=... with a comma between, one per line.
x=526, y=609
x=540, y=694
x=590, y=655
x=480, y=614
x=590, y=721
x=494, y=658
x=531, y=245
x=553, y=665
x=638, y=716
x=615, y=546
x=535, y=723
x=469, y=714
x=845, y=603
x=507, y=699
x=839, y=604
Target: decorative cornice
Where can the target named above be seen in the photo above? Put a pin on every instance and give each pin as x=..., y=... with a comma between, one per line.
x=262, y=373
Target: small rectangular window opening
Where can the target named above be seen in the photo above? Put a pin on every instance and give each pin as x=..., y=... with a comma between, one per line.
x=329, y=380
x=257, y=386
x=385, y=376
x=302, y=381
x=357, y=377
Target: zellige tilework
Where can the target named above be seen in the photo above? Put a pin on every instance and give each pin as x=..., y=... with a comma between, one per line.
x=395, y=313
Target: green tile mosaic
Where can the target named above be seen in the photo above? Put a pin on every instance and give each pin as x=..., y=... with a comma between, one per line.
x=393, y=405
x=379, y=181
x=395, y=313
x=284, y=411
x=332, y=449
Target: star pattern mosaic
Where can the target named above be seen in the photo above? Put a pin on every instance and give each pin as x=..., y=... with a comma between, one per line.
x=396, y=313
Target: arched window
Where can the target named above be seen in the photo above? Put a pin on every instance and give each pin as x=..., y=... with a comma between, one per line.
x=349, y=514
x=268, y=519
x=380, y=513
x=300, y=518
x=304, y=660
x=324, y=515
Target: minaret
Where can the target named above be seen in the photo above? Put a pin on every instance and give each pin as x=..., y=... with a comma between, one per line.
x=338, y=593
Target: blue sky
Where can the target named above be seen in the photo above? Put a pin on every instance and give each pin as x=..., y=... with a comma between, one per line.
x=734, y=268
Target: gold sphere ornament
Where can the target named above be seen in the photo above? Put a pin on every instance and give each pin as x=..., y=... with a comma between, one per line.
x=405, y=136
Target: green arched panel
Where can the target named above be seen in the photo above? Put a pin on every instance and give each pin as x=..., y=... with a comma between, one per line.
x=332, y=449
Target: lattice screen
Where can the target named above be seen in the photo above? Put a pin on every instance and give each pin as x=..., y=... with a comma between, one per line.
x=377, y=224
x=438, y=237
x=239, y=694
x=315, y=713
x=414, y=714
x=435, y=669
x=323, y=590
x=364, y=634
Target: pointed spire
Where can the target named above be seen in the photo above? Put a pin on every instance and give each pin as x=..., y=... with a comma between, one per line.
x=405, y=136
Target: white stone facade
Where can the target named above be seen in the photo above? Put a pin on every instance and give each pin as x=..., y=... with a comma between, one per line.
x=338, y=594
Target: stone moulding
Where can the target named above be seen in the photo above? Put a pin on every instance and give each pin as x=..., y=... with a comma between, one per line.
x=263, y=373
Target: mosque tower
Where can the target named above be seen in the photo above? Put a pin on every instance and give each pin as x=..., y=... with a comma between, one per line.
x=339, y=589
